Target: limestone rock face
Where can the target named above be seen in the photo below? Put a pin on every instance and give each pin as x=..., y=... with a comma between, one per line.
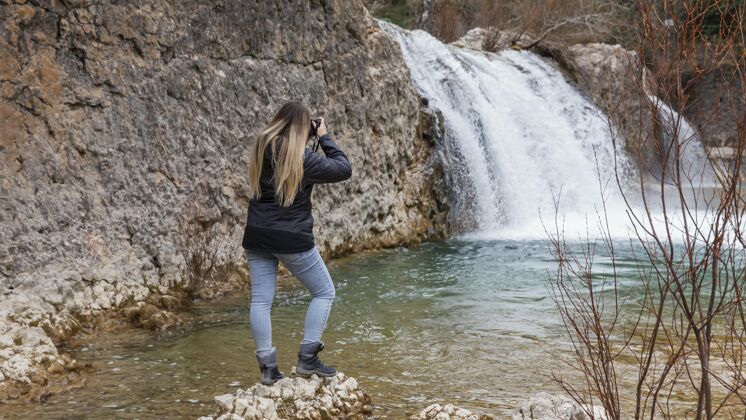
x=119, y=118
x=616, y=81
x=619, y=85
x=543, y=406
x=716, y=101
x=425, y=20
x=296, y=398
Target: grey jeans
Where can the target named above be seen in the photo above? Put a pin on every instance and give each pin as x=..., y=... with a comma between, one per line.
x=309, y=268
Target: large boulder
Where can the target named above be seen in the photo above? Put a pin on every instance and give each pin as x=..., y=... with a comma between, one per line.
x=492, y=40
x=124, y=122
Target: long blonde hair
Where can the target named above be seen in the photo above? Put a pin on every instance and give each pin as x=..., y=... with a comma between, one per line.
x=286, y=136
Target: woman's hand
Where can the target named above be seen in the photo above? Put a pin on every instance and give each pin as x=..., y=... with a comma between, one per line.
x=321, y=129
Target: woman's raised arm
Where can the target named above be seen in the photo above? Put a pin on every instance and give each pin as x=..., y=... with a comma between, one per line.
x=334, y=167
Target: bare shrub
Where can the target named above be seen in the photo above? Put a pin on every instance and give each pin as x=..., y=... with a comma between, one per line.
x=676, y=349
x=491, y=40
x=569, y=21
x=447, y=21
x=487, y=13
x=210, y=255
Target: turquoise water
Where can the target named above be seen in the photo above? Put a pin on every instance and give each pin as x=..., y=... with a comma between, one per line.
x=466, y=322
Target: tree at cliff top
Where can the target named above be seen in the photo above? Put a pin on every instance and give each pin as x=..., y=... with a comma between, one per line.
x=577, y=20
x=569, y=21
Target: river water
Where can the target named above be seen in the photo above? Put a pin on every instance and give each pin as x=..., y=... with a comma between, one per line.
x=469, y=322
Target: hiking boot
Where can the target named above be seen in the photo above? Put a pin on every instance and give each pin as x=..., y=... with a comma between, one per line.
x=268, y=366
x=309, y=362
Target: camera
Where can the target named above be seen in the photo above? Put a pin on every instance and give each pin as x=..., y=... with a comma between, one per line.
x=315, y=123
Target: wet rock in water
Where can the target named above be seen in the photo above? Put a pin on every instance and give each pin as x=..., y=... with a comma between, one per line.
x=30, y=365
x=151, y=317
x=295, y=397
x=543, y=406
x=449, y=412
x=22, y=351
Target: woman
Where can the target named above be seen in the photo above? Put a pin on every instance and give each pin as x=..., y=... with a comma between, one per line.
x=280, y=228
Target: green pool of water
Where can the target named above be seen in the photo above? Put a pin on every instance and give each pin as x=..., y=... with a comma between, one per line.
x=466, y=322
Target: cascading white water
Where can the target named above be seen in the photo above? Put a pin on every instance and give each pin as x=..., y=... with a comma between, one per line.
x=694, y=166
x=519, y=136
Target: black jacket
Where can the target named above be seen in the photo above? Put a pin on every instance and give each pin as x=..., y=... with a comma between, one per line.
x=272, y=228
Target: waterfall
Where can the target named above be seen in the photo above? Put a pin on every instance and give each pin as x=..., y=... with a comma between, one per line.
x=695, y=167
x=518, y=137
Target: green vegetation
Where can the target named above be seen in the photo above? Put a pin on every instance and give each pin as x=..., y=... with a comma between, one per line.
x=721, y=19
x=397, y=12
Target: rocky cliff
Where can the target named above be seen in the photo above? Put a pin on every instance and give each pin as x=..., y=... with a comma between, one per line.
x=125, y=121
x=718, y=104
